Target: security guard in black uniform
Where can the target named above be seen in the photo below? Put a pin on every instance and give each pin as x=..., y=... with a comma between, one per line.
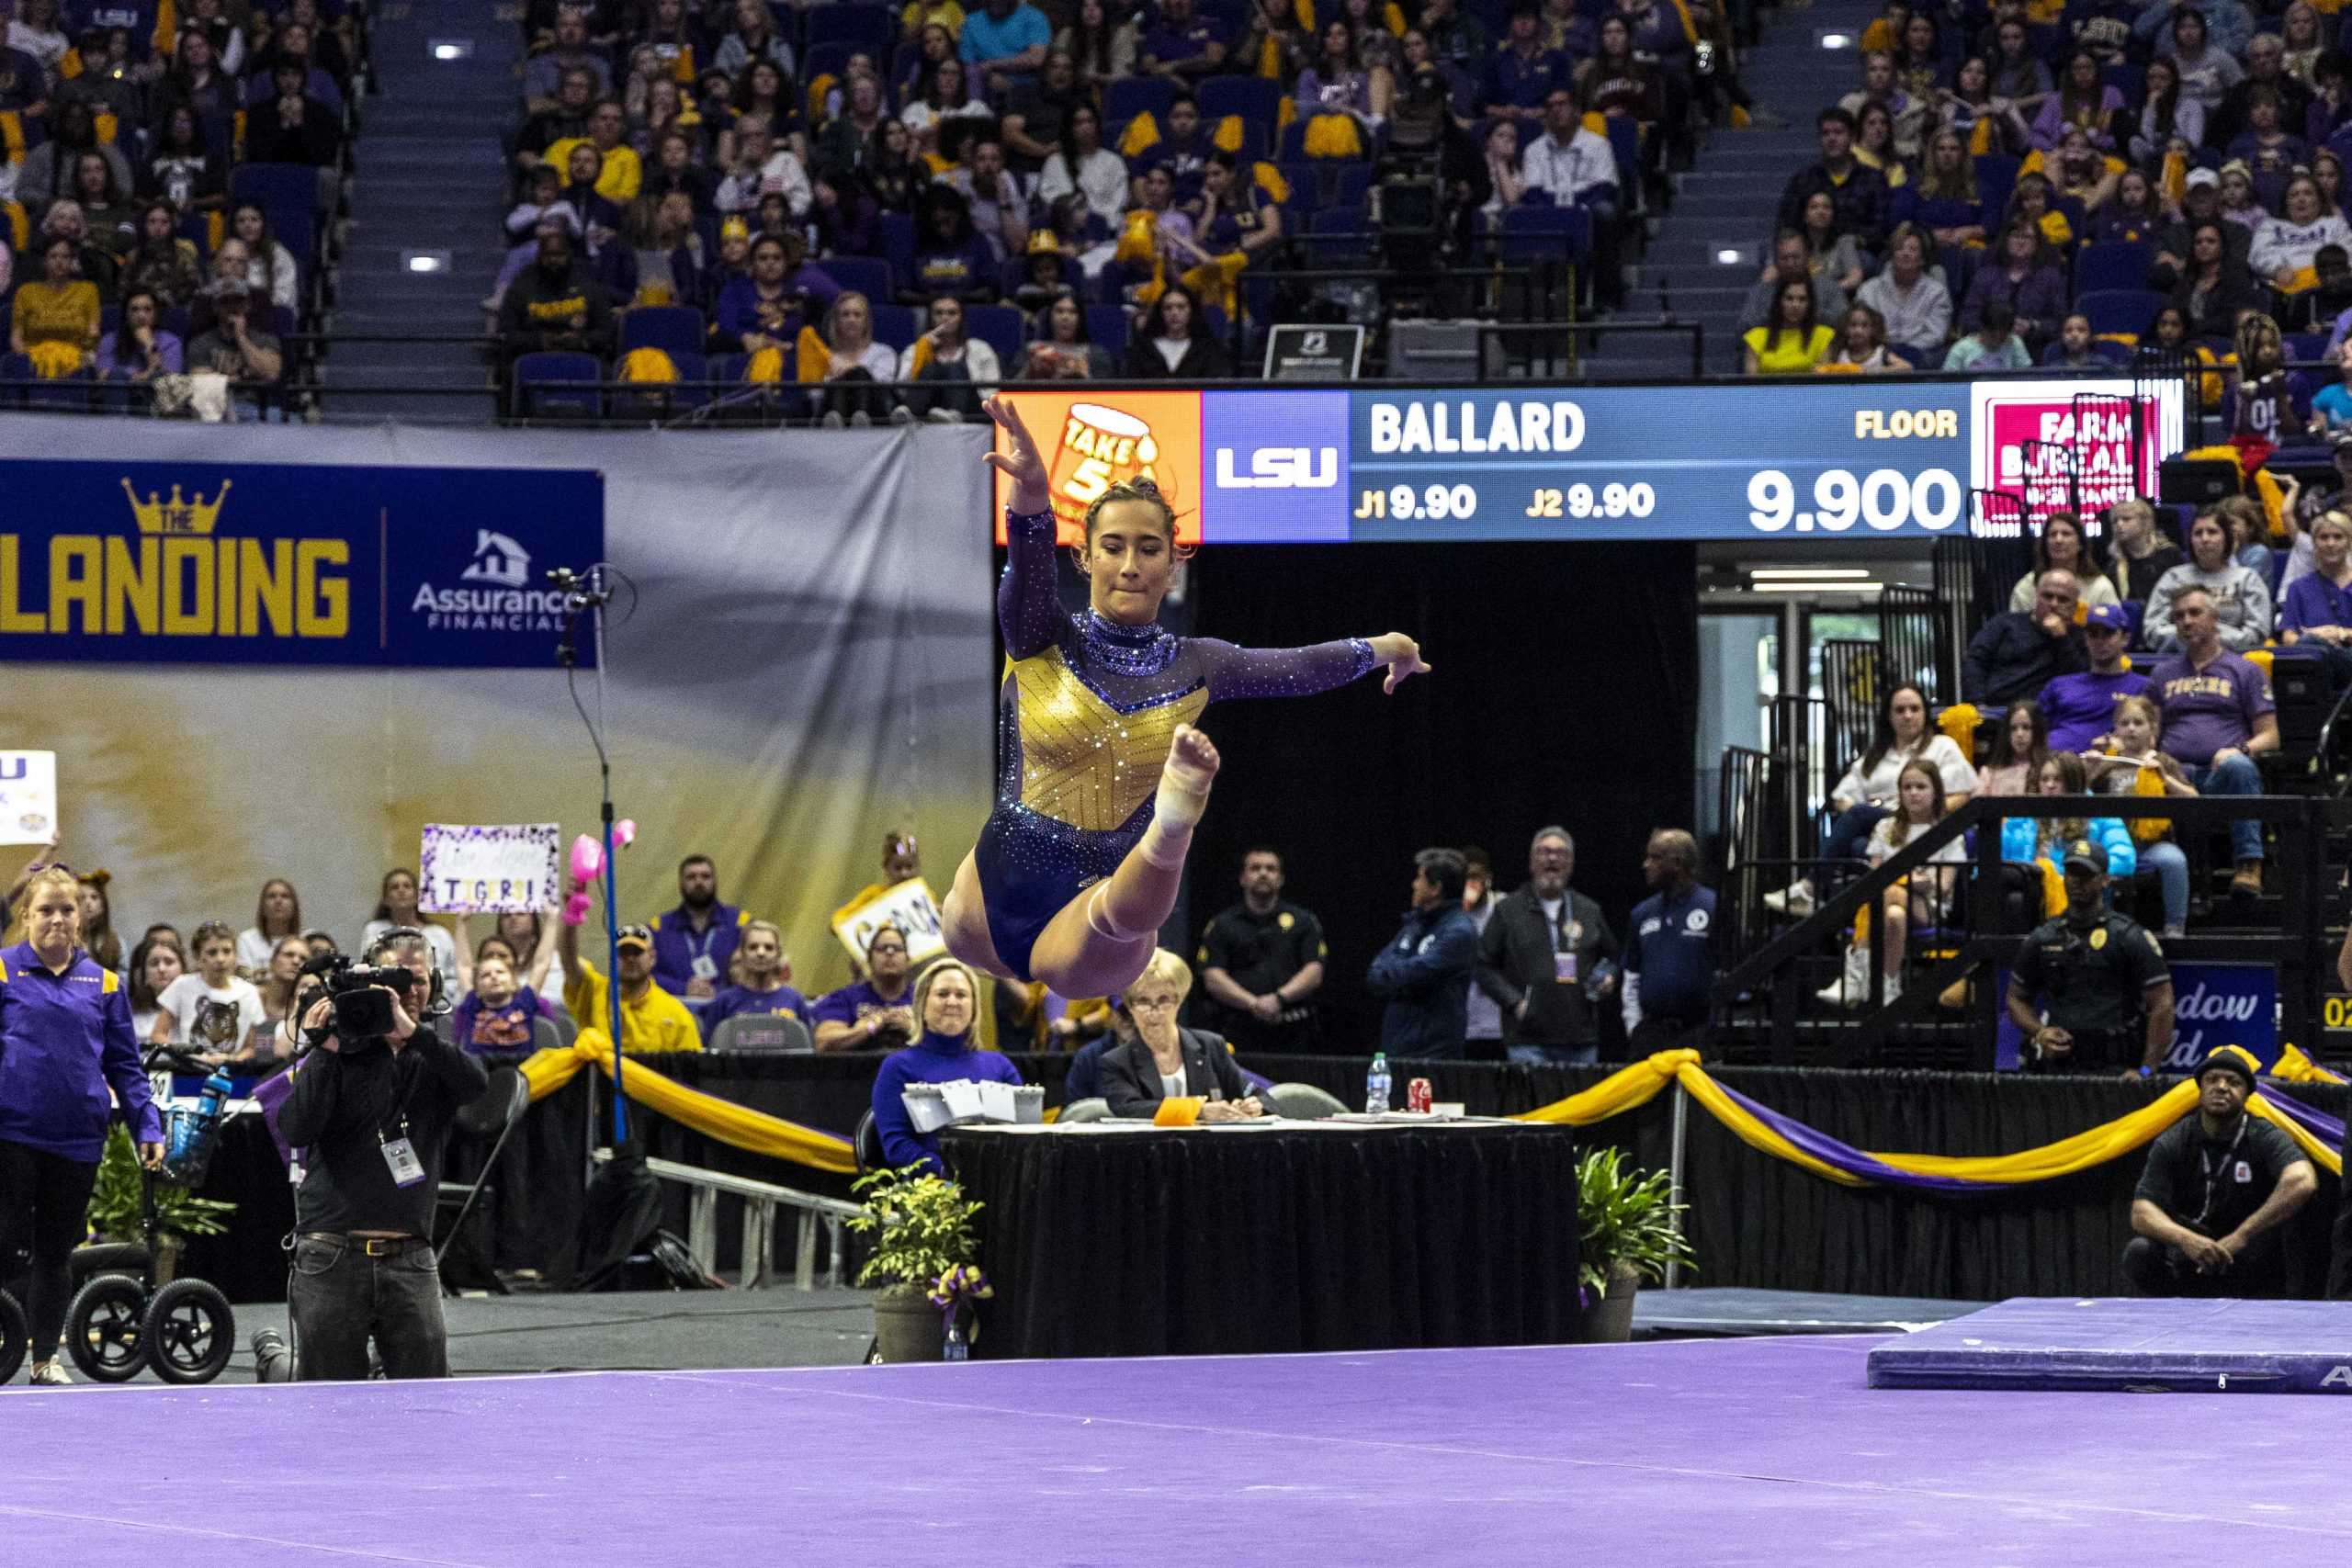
x=2106, y=991
x=2211, y=1208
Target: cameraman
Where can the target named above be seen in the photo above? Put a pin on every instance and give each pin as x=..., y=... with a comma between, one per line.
x=371, y=1115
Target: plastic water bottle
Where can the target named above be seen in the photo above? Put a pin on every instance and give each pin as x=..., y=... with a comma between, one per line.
x=960, y=1345
x=1375, y=1088
x=215, y=1095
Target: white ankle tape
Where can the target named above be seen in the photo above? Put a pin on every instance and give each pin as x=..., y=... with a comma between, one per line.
x=1165, y=843
x=1100, y=923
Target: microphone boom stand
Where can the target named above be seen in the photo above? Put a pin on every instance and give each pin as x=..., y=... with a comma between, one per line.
x=590, y=592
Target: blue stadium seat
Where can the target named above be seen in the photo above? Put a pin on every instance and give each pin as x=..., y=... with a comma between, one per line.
x=1131, y=95
x=1254, y=98
x=657, y=399
x=2115, y=264
x=549, y=385
x=895, y=325
x=1305, y=186
x=868, y=276
x=1000, y=327
x=1546, y=233
x=1107, y=325
x=866, y=28
x=1351, y=184
x=65, y=394
x=2306, y=346
x=284, y=190
x=1338, y=236
x=823, y=60
x=2119, y=309
x=1996, y=176
x=674, y=329
x=899, y=243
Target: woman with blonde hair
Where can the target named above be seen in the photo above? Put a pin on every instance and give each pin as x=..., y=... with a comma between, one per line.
x=947, y=1005
x=1168, y=1061
x=67, y=1058
x=1919, y=900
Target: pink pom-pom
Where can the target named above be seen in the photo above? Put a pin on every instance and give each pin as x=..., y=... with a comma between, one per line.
x=587, y=859
x=624, y=832
x=575, y=910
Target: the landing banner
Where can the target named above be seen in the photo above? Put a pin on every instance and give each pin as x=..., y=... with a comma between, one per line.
x=291, y=563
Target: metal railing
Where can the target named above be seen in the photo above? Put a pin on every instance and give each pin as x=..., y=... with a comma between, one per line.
x=1764, y=986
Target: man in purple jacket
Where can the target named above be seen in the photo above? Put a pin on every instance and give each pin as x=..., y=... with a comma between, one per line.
x=2081, y=707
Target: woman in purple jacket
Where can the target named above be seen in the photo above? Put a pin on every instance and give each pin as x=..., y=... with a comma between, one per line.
x=65, y=1038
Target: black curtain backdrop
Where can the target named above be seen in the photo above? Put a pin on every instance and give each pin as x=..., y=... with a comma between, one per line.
x=1565, y=690
x=1755, y=1221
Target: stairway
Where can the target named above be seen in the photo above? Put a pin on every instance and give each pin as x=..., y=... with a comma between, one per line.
x=428, y=160
x=1731, y=195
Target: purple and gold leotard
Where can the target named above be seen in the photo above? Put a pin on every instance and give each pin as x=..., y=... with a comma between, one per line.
x=1088, y=709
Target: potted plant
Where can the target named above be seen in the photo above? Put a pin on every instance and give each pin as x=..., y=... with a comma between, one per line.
x=117, y=1206
x=1627, y=1223
x=918, y=1225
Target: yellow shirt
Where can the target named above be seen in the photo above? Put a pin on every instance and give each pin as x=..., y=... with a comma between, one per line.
x=655, y=1021
x=66, y=313
x=1789, y=355
x=622, y=174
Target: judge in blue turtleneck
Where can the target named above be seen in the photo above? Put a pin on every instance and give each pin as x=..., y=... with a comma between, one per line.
x=948, y=1003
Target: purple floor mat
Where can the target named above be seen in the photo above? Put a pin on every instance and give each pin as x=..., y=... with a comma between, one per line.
x=2183, y=1346
x=1766, y=1451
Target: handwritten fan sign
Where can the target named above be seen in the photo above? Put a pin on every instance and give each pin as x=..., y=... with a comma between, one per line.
x=28, y=797
x=909, y=907
x=505, y=868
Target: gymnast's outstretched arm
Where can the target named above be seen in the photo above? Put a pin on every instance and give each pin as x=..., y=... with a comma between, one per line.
x=1234, y=673
x=1028, y=608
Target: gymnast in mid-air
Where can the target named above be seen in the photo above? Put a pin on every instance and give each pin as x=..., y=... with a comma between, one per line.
x=1103, y=775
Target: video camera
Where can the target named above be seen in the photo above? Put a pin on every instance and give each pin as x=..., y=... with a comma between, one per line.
x=361, y=1011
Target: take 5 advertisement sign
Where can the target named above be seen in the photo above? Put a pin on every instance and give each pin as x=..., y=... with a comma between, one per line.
x=1839, y=456
x=286, y=564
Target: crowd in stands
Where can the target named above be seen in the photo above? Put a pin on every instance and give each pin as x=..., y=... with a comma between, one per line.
x=850, y=199
x=2019, y=183
x=171, y=173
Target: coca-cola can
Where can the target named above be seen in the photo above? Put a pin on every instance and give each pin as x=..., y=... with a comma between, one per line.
x=1416, y=1097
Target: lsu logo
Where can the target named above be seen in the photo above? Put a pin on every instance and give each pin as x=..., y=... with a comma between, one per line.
x=1280, y=467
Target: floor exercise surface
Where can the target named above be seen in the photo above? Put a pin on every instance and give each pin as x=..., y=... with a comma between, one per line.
x=1711, y=1452
x=2178, y=1346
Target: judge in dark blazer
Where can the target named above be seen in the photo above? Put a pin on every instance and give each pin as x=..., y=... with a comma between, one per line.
x=1136, y=1076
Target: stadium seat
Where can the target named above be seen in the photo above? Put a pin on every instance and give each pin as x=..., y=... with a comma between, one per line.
x=895, y=325
x=753, y=1031
x=1338, y=236
x=869, y=29
x=2310, y=348
x=284, y=190
x=2119, y=309
x=1107, y=325
x=868, y=276
x=657, y=399
x=1996, y=176
x=674, y=329
x=1254, y=98
x=898, y=243
x=1000, y=327
x=548, y=386
x=1131, y=95
x=1546, y=233
x=2111, y=266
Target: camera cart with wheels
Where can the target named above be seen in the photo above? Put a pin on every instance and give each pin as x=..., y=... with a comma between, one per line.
x=120, y=1323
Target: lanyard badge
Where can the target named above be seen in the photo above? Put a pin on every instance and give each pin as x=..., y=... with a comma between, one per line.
x=400, y=1157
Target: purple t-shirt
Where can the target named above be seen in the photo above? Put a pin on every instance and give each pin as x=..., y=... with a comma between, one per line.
x=2210, y=708
x=851, y=1003
x=474, y=1026
x=2081, y=708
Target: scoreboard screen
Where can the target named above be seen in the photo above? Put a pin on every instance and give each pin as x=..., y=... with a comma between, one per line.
x=1837, y=456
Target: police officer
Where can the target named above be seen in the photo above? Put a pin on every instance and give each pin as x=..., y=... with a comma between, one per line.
x=2107, y=994
x=2217, y=1188
x=1261, y=963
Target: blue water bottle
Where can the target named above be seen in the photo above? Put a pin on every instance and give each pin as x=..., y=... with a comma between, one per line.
x=1375, y=1091
x=214, y=1096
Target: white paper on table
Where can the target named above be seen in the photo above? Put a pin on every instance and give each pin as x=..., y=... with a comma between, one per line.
x=962, y=1098
x=997, y=1102
x=925, y=1107
x=28, y=797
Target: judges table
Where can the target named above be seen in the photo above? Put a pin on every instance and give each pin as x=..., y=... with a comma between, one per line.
x=1126, y=1239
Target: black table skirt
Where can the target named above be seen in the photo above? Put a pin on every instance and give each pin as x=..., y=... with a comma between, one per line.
x=1199, y=1242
